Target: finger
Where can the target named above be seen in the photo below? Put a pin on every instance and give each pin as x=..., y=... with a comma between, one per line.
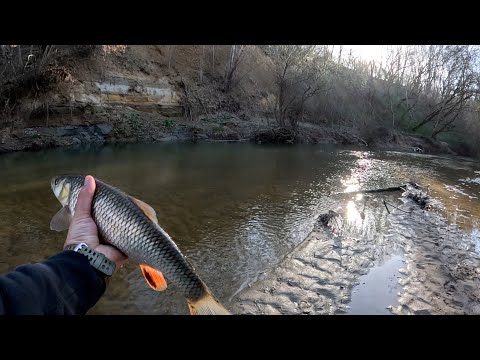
x=84, y=201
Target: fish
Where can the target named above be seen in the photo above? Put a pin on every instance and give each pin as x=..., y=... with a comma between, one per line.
x=131, y=226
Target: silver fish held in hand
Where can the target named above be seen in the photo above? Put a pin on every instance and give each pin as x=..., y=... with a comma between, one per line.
x=132, y=226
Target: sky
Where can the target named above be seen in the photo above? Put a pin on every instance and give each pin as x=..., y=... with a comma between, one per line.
x=366, y=52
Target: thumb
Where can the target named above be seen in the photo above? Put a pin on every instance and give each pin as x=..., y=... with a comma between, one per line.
x=84, y=201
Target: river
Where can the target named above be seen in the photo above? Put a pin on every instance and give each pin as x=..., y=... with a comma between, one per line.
x=235, y=210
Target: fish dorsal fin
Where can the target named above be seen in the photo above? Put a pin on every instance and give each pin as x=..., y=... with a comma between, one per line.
x=154, y=277
x=147, y=209
x=62, y=219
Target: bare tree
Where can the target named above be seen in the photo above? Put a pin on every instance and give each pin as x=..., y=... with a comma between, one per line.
x=453, y=79
x=202, y=56
x=169, y=52
x=236, y=52
x=213, y=60
x=298, y=73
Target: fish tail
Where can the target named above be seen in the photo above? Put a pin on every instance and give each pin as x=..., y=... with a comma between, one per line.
x=207, y=304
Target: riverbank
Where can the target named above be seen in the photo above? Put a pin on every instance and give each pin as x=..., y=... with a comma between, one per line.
x=127, y=125
x=156, y=93
x=440, y=272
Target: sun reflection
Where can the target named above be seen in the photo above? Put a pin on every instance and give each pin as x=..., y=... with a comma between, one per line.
x=360, y=172
x=352, y=212
x=351, y=187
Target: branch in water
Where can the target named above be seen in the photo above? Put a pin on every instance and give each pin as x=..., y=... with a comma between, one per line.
x=384, y=203
x=394, y=188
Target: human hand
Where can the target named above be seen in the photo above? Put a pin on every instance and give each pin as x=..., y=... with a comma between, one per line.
x=83, y=227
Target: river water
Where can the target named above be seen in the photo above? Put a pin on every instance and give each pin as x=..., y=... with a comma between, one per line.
x=235, y=210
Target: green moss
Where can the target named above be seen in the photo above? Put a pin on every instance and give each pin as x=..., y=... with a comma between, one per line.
x=133, y=120
x=168, y=123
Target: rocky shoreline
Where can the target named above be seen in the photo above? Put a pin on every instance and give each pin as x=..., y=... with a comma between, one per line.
x=129, y=126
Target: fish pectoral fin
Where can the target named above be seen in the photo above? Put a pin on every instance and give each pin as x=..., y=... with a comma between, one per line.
x=147, y=209
x=154, y=277
x=62, y=219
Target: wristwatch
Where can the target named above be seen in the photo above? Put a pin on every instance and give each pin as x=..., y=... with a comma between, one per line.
x=99, y=261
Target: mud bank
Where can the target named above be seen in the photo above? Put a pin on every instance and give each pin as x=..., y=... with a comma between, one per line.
x=132, y=126
x=434, y=267
x=318, y=276
x=442, y=270
x=128, y=125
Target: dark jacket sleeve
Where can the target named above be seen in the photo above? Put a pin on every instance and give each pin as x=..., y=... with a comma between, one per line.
x=64, y=284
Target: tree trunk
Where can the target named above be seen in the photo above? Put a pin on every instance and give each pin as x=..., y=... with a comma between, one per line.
x=281, y=104
x=201, y=64
x=170, y=56
x=230, y=68
x=393, y=112
x=20, y=55
x=213, y=60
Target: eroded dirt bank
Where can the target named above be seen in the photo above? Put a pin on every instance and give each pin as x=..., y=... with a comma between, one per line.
x=440, y=272
x=139, y=95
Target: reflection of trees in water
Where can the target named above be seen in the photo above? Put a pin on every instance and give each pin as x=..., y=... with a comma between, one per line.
x=460, y=209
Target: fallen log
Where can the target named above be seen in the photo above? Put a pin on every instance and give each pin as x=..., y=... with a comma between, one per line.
x=393, y=188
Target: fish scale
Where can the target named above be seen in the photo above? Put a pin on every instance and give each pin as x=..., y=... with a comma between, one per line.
x=123, y=224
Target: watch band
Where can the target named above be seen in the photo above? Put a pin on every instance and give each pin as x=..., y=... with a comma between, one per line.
x=96, y=259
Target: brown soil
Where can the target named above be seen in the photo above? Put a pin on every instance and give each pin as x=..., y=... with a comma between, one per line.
x=195, y=108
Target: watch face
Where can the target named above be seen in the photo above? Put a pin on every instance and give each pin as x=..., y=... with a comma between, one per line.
x=81, y=246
